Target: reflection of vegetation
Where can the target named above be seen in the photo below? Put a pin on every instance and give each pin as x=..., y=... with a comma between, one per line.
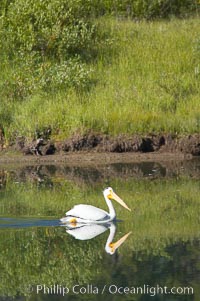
x=45, y=256
x=164, y=217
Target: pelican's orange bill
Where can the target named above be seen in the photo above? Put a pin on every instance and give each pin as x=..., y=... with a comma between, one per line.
x=115, y=197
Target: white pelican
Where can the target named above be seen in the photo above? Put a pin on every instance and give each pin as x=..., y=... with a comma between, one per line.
x=84, y=214
x=90, y=231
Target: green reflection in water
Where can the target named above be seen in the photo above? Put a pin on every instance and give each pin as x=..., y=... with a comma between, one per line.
x=163, y=247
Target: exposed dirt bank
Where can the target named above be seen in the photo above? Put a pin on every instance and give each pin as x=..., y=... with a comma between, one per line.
x=98, y=143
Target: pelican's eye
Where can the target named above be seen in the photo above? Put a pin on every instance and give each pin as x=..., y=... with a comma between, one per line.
x=110, y=193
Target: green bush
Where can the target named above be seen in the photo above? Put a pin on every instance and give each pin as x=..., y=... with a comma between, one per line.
x=70, y=73
x=57, y=29
x=47, y=43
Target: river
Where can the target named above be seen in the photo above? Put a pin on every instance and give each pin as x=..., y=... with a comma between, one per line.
x=159, y=250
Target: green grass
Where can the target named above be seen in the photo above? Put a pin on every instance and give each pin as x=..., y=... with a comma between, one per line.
x=145, y=80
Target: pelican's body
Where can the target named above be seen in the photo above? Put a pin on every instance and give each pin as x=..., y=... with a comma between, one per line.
x=90, y=214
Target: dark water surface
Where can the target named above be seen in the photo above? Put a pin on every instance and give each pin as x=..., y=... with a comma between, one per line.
x=159, y=259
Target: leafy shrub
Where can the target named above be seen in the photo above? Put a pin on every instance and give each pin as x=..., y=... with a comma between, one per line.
x=47, y=43
x=70, y=73
x=56, y=28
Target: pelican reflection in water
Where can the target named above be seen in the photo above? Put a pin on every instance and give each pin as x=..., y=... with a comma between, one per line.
x=87, y=214
x=90, y=231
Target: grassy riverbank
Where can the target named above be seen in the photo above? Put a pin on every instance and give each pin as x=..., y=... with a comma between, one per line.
x=145, y=78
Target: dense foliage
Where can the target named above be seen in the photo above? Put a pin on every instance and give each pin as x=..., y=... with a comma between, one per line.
x=50, y=28
x=131, y=8
x=48, y=42
x=59, y=51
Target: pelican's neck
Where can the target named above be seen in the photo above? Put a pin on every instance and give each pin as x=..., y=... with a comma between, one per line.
x=110, y=237
x=111, y=208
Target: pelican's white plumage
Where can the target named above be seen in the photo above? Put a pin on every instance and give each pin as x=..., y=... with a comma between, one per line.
x=90, y=214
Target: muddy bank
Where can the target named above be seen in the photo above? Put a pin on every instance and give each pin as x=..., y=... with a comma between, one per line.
x=89, y=158
x=99, y=143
